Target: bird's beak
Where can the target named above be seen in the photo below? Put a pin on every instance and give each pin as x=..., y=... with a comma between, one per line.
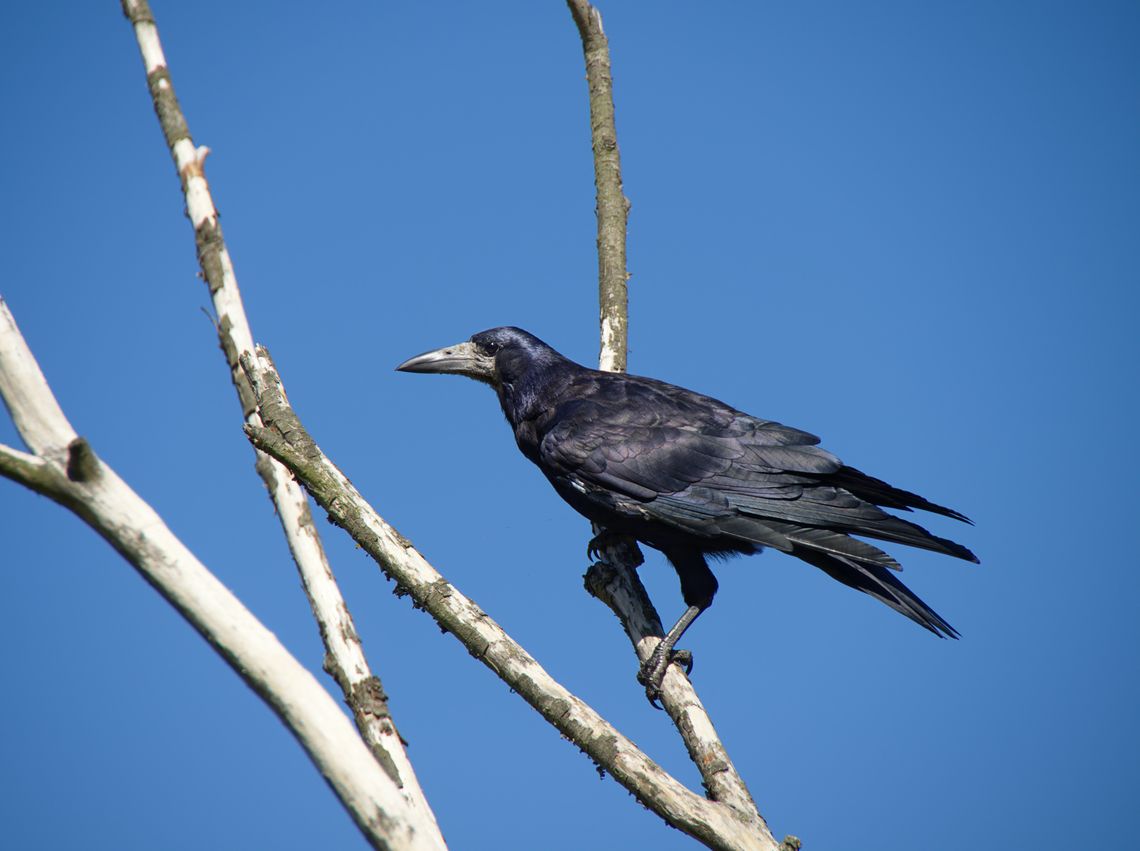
x=460, y=359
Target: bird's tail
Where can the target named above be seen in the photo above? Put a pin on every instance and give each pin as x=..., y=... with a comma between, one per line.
x=878, y=492
x=880, y=583
x=888, y=527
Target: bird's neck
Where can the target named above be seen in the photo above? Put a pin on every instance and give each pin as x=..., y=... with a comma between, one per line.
x=525, y=397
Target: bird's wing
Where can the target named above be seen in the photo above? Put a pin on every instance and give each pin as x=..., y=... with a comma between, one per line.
x=709, y=470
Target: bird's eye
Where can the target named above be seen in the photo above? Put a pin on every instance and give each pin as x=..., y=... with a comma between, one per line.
x=491, y=347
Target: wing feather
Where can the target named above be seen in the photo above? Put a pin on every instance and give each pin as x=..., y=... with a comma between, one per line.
x=711, y=470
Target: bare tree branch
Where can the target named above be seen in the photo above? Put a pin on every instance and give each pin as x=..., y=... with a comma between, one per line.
x=612, y=205
x=66, y=469
x=286, y=439
x=623, y=592
x=614, y=580
x=344, y=655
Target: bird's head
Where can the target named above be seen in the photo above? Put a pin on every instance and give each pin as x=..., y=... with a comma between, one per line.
x=498, y=356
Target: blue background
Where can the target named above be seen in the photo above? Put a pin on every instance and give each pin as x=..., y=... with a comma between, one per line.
x=911, y=228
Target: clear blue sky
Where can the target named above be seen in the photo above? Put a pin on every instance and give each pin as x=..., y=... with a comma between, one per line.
x=911, y=228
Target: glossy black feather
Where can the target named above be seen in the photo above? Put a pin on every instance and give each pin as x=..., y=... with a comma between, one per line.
x=692, y=476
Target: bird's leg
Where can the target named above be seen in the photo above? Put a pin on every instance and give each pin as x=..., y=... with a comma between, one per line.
x=653, y=671
x=698, y=587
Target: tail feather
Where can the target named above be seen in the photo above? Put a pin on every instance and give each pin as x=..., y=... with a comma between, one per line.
x=877, y=491
x=881, y=584
x=891, y=528
x=838, y=544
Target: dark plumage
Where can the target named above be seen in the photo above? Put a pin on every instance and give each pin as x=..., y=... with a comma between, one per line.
x=692, y=477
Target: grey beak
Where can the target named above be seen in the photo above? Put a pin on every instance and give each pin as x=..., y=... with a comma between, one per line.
x=460, y=359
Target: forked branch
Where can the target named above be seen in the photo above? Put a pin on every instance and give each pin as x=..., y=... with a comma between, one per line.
x=63, y=467
x=285, y=438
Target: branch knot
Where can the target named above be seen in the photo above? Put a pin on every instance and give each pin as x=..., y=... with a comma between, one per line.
x=82, y=463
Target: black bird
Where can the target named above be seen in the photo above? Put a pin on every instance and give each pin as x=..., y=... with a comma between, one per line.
x=692, y=477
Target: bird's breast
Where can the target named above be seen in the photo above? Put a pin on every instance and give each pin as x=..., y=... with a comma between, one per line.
x=527, y=438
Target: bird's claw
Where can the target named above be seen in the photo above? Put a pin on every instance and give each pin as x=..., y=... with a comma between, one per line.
x=594, y=549
x=652, y=673
x=651, y=679
x=607, y=540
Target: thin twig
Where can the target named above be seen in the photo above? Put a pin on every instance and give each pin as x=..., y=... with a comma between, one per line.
x=612, y=205
x=344, y=655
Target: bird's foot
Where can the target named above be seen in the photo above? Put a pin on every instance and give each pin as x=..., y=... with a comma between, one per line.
x=652, y=673
x=626, y=547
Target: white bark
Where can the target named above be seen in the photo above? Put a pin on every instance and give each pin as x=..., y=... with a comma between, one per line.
x=65, y=469
x=613, y=340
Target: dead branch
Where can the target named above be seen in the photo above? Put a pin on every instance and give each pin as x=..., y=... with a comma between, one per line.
x=65, y=468
x=344, y=655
